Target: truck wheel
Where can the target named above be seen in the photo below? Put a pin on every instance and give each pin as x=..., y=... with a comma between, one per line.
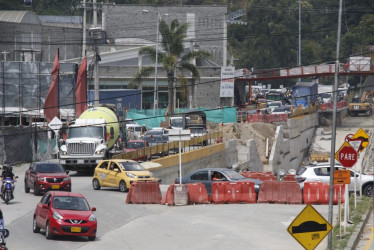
x=96, y=184
x=122, y=186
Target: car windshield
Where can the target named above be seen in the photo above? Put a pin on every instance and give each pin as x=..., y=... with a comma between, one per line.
x=135, y=145
x=176, y=122
x=233, y=175
x=154, y=132
x=70, y=203
x=49, y=168
x=87, y=131
x=279, y=110
x=131, y=166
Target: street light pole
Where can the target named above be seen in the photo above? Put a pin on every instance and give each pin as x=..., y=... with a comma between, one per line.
x=155, y=94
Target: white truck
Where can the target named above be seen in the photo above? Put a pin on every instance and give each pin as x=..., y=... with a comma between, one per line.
x=89, y=140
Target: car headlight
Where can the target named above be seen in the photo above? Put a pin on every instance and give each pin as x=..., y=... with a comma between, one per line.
x=150, y=173
x=131, y=175
x=57, y=216
x=67, y=179
x=100, y=151
x=63, y=150
x=42, y=179
x=92, y=218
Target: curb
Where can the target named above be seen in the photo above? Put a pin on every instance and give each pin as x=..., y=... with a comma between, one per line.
x=355, y=237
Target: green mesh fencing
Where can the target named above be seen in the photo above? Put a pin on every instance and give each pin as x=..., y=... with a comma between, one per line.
x=147, y=118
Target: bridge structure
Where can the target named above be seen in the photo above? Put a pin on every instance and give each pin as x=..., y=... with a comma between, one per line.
x=305, y=71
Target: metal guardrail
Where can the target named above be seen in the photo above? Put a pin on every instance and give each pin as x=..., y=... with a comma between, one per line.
x=166, y=147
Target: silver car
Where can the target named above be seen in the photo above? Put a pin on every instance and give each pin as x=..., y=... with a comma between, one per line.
x=321, y=172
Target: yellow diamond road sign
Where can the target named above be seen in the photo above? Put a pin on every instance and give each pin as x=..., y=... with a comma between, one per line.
x=309, y=228
x=361, y=134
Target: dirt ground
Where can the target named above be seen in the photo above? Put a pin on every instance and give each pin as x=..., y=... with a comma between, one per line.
x=258, y=131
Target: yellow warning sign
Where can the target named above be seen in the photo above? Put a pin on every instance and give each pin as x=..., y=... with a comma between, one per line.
x=361, y=134
x=309, y=228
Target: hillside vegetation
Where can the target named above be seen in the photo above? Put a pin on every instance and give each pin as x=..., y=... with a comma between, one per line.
x=270, y=40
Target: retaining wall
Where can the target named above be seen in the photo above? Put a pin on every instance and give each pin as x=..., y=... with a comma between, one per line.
x=292, y=142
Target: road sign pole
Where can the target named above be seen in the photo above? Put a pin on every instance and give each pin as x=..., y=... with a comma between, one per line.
x=346, y=207
x=339, y=211
x=355, y=183
x=180, y=161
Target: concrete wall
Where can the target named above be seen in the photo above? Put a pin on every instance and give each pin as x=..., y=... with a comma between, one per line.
x=248, y=157
x=167, y=168
x=288, y=153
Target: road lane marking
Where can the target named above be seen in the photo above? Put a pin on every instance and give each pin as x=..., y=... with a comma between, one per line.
x=367, y=247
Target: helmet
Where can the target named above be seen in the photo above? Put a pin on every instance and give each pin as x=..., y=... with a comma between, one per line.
x=10, y=168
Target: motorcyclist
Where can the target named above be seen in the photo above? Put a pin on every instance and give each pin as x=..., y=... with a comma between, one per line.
x=7, y=173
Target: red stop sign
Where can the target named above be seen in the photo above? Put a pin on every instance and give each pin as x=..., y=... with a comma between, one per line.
x=347, y=156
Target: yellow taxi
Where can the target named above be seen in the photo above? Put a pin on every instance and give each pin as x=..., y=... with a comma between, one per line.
x=119, y=173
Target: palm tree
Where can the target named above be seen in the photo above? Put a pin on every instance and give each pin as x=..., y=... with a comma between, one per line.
x=172, y=58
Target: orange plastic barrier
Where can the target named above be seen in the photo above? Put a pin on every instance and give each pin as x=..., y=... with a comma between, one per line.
x=319, y=193
x=169, y=196
x=248, y=194
x=289, y=177
x=280, y=192
x=218, y=192
x=233, y=192
x=197, y=193
x=144, y=193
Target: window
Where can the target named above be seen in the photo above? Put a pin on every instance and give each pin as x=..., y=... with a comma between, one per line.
x=104, y=165
x=202, y=175
x=325, y=171
x=46, y=199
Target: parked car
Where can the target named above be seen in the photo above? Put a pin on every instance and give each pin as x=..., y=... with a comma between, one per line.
x=207, y=177
x=282, y=110
x=134, y=131
x=119, y=173
x=65, y=213
x=45, y=176
x=321, y=172
x=133, y=145
x=273, y=104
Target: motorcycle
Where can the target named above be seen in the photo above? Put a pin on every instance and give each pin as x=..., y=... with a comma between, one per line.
x=4, y=233
x=8, y=189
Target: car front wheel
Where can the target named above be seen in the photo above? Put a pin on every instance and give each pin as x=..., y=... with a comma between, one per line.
x=27, y=189
x=122, y=186
x=368, y=190
x=48, y=233
x=96, y=184
x=92, y=238
x=35, y=227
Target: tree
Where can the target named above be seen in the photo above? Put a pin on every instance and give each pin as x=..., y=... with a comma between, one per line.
x=173, y=57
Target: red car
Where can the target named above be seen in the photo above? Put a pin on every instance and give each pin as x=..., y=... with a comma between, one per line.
x=65, y=213
x=44, y=176
x=133, y=145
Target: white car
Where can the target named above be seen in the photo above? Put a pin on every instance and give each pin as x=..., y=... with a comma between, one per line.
x=321, y=172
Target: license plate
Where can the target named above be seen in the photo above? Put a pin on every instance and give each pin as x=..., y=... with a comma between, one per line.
x=80, y=161
x=75, y=229
x=356, y=107
x=62, y=161
x=55, y=186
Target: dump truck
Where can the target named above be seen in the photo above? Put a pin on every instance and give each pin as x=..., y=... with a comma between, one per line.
x=361, y=105
x=90, y=139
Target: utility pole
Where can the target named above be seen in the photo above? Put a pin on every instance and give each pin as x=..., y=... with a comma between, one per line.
x=84, y=29
x=333, y=136
x=299, y=58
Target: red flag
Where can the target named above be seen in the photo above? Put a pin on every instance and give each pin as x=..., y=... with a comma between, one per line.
x=51, y=108
x=81, y=89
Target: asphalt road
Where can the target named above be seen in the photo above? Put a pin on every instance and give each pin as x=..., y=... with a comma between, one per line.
x=128, y=226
